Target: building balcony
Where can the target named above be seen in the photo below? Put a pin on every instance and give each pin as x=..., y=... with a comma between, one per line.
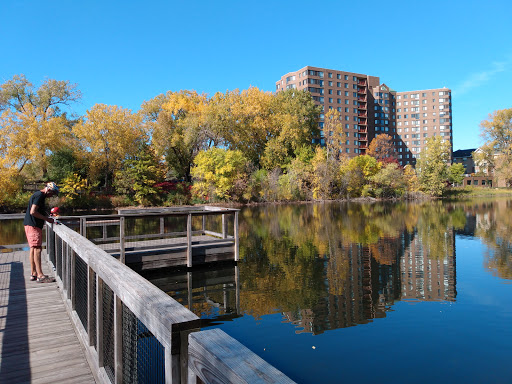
x=362, y=138
x=362, y=146
x=361, y=122
x=362, y=115
x=361, y=82
x=361, y=90
x=361, y=106
x=362, y=130
x=360, y=98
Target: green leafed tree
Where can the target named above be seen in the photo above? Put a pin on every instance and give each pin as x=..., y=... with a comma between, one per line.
x=138, y=176
x=456, y=173
x=432, y=166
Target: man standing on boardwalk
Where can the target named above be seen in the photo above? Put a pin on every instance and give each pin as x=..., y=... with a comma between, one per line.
x=34, y=222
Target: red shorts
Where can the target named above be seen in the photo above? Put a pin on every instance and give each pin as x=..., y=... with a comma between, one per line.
x=34, y=236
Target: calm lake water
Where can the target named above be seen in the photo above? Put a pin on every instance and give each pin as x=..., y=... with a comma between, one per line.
x=364, y=293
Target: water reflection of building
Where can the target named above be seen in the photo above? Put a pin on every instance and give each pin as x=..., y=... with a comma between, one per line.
x=366, y=293
x=425, y=277
x=393, y=269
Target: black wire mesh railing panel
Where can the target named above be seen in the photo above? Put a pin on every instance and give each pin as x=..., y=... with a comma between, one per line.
x=143, y=354
x=93, y=312
x=50, y=247
x=81, y=290
x=108, y=332
x=58, y=255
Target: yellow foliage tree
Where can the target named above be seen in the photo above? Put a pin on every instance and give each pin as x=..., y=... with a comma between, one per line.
x=31, y=122
x=180, y=128
x=333, y=128
x=108, y=134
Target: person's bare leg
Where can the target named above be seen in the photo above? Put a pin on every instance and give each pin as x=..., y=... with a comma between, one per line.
x=37, y=261
x=33, y=270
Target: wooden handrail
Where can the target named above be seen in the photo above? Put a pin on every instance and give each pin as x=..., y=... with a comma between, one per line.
x=143, y=299
x=168, y=320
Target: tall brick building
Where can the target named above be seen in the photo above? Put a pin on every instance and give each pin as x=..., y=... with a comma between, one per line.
x=369, y=107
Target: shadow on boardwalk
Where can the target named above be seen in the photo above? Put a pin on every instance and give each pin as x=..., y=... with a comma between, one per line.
x=37, y=341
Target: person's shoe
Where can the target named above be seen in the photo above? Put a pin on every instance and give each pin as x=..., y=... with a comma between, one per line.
x=45, y=279
x=33, y=277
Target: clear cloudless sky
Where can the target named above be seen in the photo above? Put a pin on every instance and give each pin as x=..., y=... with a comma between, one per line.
x=125, y=52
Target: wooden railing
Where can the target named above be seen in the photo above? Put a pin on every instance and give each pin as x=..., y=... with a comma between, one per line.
x=106, y=221
x=134, y=332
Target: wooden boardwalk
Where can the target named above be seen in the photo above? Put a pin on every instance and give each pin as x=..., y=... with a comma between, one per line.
x=38, y=343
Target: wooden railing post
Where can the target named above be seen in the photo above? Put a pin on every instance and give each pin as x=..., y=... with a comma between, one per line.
x=83, y=227
x=189, y=240
x=224, y=227
x=118, y=340
x=203, y=227
x=91, y=302
x=121, y=240
x=237, y=289
x=162, y=226
x=189, y=289
x=237, y=240
x=172, y=366
x=99, y=320
x=72, y=278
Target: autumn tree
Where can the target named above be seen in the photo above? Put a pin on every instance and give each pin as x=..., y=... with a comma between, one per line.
x=220, y=173
x=32, y=121
x=383, y=149
x=356, y=173
x=333, y=131
x=389, y=181
x=325, y=176
x=432, y=166
x=179, y=128
x=497, y=150
x=109, y=134
x=294, y=125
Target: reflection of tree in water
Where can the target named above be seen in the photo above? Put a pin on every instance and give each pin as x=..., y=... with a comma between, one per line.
x=494, y=227
x=334, y=265
x=12, y=232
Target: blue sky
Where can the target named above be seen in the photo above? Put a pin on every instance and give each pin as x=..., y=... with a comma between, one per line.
x=126, y=52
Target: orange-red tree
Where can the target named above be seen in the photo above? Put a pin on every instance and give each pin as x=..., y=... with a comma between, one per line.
x=383, y=149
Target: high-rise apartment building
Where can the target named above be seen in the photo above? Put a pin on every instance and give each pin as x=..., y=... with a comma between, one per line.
x=369, y=108
x=347, y=92
x=420, y=115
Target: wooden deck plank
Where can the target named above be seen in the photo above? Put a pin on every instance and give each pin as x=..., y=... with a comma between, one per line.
x=38, y=343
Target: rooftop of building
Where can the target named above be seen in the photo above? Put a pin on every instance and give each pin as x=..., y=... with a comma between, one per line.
x=463, y=152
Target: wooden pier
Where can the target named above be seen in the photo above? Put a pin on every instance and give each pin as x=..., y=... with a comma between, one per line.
x=38, y=342
x=102, y=314
x=189, y=243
